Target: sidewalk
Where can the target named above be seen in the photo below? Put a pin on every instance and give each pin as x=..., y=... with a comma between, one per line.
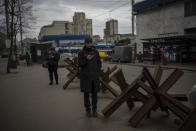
x=28, y=103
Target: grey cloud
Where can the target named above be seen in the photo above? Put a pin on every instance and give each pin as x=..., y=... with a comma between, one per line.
x=48, y=10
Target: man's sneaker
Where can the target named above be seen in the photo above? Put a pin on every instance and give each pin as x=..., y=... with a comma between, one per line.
x=50, y=83
x=57, y=82
x=88, y=114
x=95, y=114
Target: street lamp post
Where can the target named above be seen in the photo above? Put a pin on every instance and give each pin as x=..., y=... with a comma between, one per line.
x=132, y=4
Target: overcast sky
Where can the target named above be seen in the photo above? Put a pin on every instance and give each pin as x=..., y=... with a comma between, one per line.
x=98, y=10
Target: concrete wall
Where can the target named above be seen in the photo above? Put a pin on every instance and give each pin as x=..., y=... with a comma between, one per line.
x=168, y=19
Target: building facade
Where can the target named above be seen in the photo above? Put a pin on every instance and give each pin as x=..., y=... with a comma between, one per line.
x=96, y=39
x=118, y=37
x=159, y=21
x=111, y=28
x=79, y=26
x=89, y=27
x=56, y=28
x=82, y=26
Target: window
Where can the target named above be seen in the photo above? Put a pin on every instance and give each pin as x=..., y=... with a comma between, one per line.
x=190, y=8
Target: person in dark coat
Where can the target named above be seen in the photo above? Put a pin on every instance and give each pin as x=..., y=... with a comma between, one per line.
x=90, y=63
x=153, y=56
x=27, y=58
x=53, y=59
x=140, y=57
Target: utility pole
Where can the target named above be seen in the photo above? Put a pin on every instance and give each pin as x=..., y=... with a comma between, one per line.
x=12, y=5
x=133, y=20
x=133, y=30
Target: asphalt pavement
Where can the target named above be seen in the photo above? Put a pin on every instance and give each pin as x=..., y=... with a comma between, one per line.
x=28, y=103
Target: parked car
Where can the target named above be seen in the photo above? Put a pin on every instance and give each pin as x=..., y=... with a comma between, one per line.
x=122, y=54
x=103, y=55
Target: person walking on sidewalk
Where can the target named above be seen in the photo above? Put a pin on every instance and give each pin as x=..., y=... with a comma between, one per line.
x=53, y=60
x=140, y=57
x=153, y=56
x=27, y=58
x=90, y=63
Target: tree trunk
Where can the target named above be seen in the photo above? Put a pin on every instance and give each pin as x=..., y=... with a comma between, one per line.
x=21, y=30
x=8, y=32
x=7, y=18
x=15, y=49
x=21, y=35
x=11, y=37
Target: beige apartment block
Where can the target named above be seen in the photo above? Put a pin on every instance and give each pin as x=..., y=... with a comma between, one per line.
x=111, y=28
x=79, y=26
x=82, y=26
x=56, y=28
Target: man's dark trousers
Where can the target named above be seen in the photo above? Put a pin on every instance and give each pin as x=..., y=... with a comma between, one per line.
x=87, y=103
x=53, y=70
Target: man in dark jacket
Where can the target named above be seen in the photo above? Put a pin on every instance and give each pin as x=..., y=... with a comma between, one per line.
x=90, y=64
x=27, y=57
x=53, y=60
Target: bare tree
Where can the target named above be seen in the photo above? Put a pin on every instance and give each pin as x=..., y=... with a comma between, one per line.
x=26, y=17
x=2, y=12
x=17, y=14
x=24, y=14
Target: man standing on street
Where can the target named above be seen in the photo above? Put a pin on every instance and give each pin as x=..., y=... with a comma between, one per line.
x=90, y=64
x=53, y=60
x=140, y=57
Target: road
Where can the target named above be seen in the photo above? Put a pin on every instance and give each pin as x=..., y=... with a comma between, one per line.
x=28, y=103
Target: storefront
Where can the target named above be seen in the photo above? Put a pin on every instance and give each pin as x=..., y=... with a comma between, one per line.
x=175, y=49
